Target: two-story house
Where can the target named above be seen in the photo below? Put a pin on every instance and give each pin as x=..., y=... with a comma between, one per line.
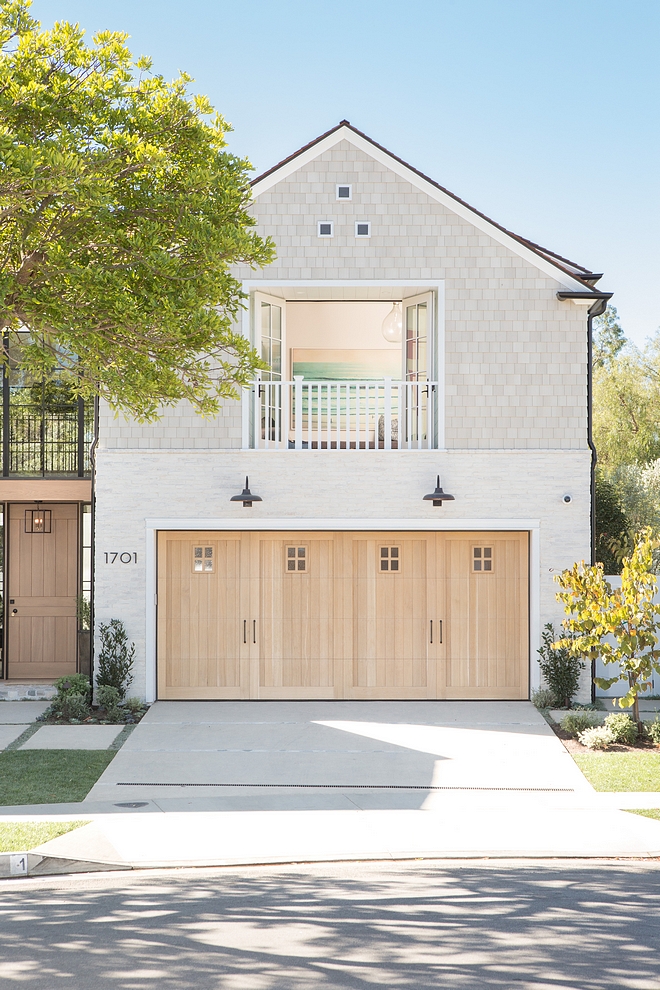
x=409, y=338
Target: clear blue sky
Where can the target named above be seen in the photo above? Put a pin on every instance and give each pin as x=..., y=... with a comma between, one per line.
x=542, y=113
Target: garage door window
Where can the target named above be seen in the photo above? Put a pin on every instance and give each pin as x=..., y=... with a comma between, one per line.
x=482, y=559
x=203, y=559
x=389, y=558
x=296, y=558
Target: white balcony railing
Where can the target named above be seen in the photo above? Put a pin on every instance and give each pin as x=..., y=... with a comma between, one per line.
x=333, y=415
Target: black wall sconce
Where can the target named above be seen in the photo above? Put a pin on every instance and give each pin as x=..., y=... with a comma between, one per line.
x=438, y=496
x=246, y=496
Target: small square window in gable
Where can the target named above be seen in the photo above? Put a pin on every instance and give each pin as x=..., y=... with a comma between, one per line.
x=326, y=228
x=482, y=559
x=363, y=229
x=296, y=559
x=344, y=192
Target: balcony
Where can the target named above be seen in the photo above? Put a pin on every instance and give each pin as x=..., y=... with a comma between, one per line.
x=340, y=415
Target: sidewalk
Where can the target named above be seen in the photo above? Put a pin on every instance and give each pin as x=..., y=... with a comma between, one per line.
x=245, y=783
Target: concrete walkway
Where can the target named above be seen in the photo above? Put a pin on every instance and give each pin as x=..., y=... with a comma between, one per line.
x=233, y=783
x=357, y=780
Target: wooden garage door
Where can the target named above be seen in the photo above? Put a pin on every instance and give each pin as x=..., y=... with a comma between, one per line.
x=342, y=615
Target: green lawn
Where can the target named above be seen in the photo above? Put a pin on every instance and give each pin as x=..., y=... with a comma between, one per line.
x=647, y=812
x=621, y=771
x=50, y=776
x=21, y=836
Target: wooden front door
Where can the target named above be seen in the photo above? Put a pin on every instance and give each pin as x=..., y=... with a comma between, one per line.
x=41, y=590
x=343, y=615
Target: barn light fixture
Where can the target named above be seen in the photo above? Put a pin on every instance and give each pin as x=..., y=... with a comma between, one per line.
x=246, y=496
x=438, y=496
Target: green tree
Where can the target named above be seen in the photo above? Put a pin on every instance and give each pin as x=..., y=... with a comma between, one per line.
x=121, y=213
x=620, y=625
x=608, y=337
x=611, y=526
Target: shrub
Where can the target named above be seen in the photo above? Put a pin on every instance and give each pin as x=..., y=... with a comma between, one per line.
x=622, y=728
x=576, y=722
x=543, y=698
x=108, y=697
x=134, y=705
x=598, y=737
x=73, y=684
x=653, y=731
x=560, y=670
x=74, y=706
x=116, y=656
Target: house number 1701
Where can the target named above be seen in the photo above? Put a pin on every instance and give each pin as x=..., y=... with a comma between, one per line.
x=121, y=558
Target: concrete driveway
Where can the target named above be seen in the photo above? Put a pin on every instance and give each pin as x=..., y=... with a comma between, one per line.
x=230, y=756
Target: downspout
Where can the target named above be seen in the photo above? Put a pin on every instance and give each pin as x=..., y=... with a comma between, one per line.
x=597, y=309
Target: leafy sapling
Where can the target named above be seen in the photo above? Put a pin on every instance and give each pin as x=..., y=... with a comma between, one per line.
x=560, y=668
x=116, y=657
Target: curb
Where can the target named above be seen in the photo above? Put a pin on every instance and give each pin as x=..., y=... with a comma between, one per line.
x=31, y=864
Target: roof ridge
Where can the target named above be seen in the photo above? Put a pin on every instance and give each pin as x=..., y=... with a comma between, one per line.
x=560, y=261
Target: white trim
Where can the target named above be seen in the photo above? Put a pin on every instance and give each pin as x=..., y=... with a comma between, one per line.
x=344, y=199
x=460, y=209
x=153, y=525
x=363, y=223
x=325, y=223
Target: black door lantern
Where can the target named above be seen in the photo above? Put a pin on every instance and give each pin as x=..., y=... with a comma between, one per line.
x=438, y=496
x=246, y=496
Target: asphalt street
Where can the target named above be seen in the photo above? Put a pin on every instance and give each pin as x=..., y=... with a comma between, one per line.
x=416, y=924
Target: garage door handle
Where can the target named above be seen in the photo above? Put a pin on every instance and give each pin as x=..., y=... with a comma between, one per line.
x=254, y=630
x=245, y=630
x=431, y=630
x=440, y=630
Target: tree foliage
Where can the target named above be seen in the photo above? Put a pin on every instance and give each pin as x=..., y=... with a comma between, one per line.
x=627, y=406
x=608, y=337
x=620, y=625
x=121, y=213
x=612, y=527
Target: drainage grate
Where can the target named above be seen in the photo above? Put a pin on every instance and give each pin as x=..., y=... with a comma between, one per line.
x=349, y=787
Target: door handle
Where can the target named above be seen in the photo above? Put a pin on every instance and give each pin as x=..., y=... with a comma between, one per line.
x=254, y=630
x=14, y=611
x=440, y=630
x=245, y=630
x=431, y=630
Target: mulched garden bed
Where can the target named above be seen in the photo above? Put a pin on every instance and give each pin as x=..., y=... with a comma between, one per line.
x=573, y=746
x=98, y=717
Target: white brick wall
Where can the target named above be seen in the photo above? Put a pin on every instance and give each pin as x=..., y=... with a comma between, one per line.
x=133, y=485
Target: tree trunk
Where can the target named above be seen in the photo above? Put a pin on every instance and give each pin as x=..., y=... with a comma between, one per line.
x=635, y=708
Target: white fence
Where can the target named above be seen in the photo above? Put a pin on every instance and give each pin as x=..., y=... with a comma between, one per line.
x=334, y=415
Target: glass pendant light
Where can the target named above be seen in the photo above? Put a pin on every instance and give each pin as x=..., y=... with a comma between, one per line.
x=393, y=324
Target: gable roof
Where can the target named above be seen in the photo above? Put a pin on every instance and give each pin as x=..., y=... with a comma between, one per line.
x=568, y=272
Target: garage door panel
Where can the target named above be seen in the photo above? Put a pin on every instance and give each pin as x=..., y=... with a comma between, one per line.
x=199, y=633
x=296, y=612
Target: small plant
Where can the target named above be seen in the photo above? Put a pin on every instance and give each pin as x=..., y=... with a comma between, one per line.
x=84, y=613
x=543, y=698
x=622, y=728
x=653, y=731
x=116, y=656
x=134, y=705
x=576, y=722
x=107, y=697
x=74, y=706
x=597, y=737
x=559, y=667
x=73, y=684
